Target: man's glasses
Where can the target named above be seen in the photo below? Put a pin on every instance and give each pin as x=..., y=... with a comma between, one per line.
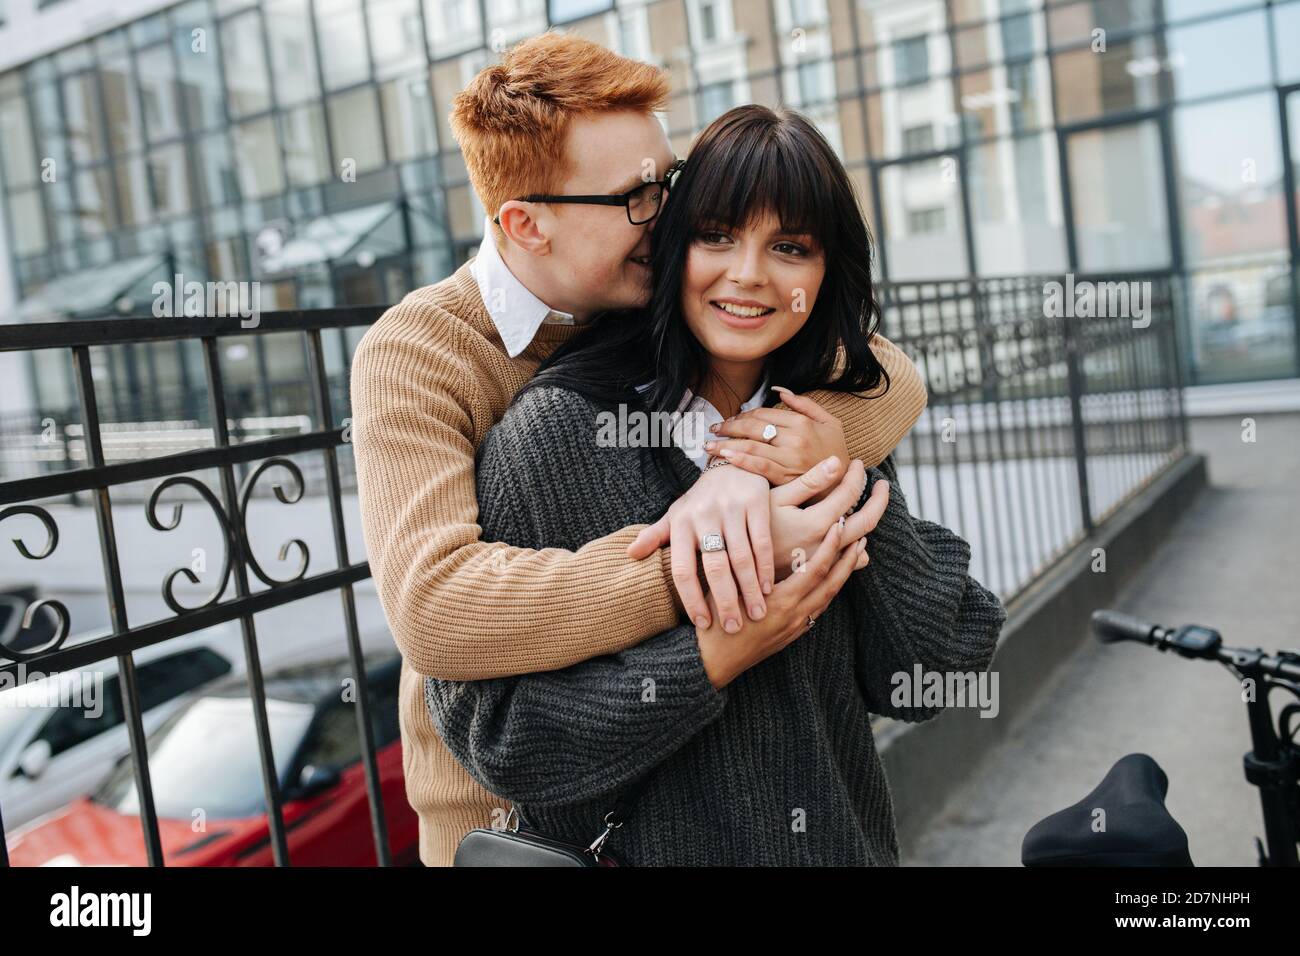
x=642, y=202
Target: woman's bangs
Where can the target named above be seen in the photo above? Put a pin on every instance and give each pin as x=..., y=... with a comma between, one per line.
x=761, y=177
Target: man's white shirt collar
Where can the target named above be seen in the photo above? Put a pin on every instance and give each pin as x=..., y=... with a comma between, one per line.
x=515, y=311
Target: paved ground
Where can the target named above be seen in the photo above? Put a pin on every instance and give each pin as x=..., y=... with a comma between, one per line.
x=1230, y=563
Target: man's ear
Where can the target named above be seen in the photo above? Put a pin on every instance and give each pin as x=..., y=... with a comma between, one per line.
x=522, y=228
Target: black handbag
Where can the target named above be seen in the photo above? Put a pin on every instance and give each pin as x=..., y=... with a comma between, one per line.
x=525, y=847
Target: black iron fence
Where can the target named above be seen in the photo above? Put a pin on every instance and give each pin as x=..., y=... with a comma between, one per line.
x=1039, y=426
x=1042, y=421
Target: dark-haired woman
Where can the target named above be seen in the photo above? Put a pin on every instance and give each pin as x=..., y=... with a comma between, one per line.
x=761, y=272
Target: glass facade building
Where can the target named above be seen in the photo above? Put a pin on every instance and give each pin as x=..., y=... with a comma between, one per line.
x=304, y=143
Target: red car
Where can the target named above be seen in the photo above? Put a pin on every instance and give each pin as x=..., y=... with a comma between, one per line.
x=207, y=781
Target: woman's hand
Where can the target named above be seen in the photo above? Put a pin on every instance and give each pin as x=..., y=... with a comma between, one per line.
x=791, y=604
x=804, y=436
x=736, y=505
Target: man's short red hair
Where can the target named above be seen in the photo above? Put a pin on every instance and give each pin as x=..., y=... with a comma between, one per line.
x=512, y=120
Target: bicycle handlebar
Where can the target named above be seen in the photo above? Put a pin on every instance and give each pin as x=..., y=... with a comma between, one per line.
x=1193, y=641
x=1112, y=626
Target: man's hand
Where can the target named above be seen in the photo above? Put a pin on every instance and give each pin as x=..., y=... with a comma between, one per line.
x=805, y=436
x=796, y=530
x=736, y=504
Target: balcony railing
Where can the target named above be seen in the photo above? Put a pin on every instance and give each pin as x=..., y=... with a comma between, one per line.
x=1038, y=428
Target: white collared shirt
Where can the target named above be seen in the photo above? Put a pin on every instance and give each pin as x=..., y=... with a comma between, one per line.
x=697, y=415
x=515, y=311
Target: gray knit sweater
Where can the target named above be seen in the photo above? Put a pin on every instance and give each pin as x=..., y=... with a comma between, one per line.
x=777, y=768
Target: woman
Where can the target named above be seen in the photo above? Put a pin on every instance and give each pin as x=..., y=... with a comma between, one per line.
x=761, y=272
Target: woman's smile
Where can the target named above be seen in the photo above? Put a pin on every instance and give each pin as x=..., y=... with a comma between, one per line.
x=738, y=316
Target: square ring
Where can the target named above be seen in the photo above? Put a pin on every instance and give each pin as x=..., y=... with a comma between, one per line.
x=769, y=431
x=713, y=542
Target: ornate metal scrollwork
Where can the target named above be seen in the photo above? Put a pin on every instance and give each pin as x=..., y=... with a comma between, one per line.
x=58, y=607
x=245, y=493
x=157, y=525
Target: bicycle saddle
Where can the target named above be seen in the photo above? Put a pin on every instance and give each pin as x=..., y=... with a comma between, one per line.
x=1134, y=830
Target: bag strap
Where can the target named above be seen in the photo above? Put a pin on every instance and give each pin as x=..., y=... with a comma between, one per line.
x=618, y=814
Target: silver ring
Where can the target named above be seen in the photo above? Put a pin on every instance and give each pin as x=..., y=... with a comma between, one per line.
x=713, y=542
x=769, y=432
x=811, y=620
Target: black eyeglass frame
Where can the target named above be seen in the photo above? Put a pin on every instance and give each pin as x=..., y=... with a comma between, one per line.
x=623, y=199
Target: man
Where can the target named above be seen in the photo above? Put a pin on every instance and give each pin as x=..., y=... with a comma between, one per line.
x=559, y=116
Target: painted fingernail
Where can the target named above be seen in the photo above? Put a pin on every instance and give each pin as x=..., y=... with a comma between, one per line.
x=702, y=623
x=714, y=428
x=779, y=388
x=756, y=612
x=727, y=453
x=841, y=521
x=732, y=625
x=710, y=445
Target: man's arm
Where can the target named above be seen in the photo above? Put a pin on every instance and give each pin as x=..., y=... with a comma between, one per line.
x=461, y=608
x=874, y=427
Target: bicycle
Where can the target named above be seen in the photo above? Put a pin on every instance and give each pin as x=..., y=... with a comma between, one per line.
x=1129, y=804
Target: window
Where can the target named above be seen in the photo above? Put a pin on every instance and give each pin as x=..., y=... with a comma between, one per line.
x=562, y=10
x=28, y=222
x=1017, y=36
x=121, y=103
x=82, y=114
x=1219, y=56
x=218, y=185
x=1016, y=206
x=1117, y=182
x=918, y=139
x=396, y=38
x=200, y=76
x=814, y=87
x=158, y=91
x=17, y=152
x=293, y=52
x=333, y=740
x=1230, y=179
x=94, y=201
x=342, y=51
x=453, y=25
x=925, y=220
x=1286, y=23
x=247, y=82
x=923, y=231
x=408, y=118
x=69, y=727
x=805, y=12
x=168, y=677
x=1125, y=78
x=306, y=153
x=710, y=21
x=715, y=99
x=911, y=60
x=354, y=128
x=257, y=159
x=133, y=191
x=632, y=40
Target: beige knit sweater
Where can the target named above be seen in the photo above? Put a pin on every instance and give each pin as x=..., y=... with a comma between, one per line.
x=428, y=381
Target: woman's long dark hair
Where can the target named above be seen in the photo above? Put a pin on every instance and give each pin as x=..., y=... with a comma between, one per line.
x=749, y=160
